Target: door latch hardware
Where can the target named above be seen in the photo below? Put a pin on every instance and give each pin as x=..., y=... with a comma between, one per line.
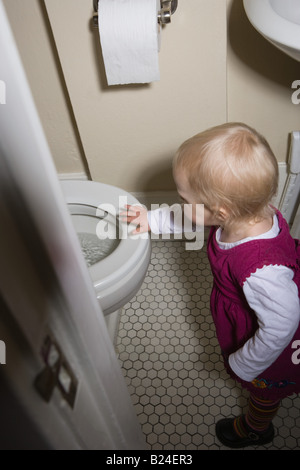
x=56, y=373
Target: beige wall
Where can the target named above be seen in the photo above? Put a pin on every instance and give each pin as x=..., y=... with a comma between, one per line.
x=130, y=133
x=214, y=67
x=34, y=40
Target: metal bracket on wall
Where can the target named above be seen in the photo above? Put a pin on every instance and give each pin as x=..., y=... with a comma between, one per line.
x=168, y=8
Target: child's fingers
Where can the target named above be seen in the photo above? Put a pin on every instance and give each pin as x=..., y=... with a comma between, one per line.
x=127, y=214
x=130, y=220
x=132, y=208
x=134, y=216
x=134, y=219
x=131, y=211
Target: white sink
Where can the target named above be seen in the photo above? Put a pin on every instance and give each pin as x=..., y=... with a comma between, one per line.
x=278, y=21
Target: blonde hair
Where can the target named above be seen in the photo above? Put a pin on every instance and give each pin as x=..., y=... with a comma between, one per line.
x=230, y=166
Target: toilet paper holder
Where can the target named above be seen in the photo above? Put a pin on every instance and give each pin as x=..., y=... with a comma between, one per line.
x=168, y=7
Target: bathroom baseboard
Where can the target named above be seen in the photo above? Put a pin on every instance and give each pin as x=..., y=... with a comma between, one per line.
x=73, y=176
x=283, y=174
x=156, y=197
x=171, y=197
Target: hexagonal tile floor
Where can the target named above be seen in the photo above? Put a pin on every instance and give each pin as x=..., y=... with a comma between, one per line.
x=171, y=360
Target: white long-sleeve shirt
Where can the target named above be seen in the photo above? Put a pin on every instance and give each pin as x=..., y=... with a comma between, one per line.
x=171, y=219
x=273, y=295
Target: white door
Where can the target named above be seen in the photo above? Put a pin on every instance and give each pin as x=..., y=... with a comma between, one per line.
x=61, y=385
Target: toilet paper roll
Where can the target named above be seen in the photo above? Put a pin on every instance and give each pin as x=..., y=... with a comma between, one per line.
x=129, y=36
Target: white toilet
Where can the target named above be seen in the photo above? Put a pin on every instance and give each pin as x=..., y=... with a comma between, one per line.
x=117, y=264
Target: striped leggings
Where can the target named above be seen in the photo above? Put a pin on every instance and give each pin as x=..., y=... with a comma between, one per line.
x=259, y=415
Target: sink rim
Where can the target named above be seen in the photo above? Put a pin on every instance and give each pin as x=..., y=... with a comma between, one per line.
x=277, y=29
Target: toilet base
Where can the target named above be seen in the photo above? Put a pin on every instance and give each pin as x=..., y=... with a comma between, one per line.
x=112, y=321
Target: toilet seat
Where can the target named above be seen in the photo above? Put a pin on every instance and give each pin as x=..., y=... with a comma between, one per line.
x=118, y=277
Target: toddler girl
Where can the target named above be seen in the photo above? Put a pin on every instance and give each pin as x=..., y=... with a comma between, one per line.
x=231, y=170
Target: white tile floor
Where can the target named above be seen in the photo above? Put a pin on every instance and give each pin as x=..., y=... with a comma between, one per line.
x=171, y=360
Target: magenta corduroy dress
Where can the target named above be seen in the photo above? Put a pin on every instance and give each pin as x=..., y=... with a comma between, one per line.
x=236, y=322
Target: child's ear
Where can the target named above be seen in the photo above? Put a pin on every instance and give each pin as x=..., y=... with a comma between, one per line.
x=222, y=214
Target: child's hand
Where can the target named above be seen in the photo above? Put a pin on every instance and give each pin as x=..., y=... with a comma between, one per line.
x=136, y=215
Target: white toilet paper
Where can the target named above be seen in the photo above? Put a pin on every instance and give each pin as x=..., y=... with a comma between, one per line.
x=129, y=36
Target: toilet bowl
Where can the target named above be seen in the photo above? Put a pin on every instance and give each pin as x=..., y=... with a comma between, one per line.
x=117, y=264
